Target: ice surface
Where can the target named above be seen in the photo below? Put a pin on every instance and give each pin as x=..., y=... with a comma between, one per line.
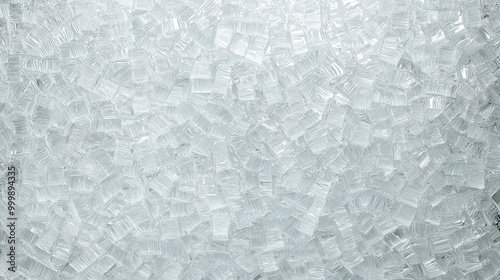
x=252, y=139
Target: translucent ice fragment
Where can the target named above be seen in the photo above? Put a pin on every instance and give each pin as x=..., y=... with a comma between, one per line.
x=472, y=15
x=171, y=25
x=14, y=69
x=475, y=173
x=378, y=25
x=306, y=158
x=456, y=27
x=411, y=195
x=140, y=104
x=84, y=260
x=364, y=223
x=363, y=78
x=176, y=96
x=170, y=228
x=448, y=55
x=401, y=20
x=220, y=157
x=435, y=103
x=333, y=69
x=162, y=183
x=256, y=163
x=77, y=109
x=248, y=26
x=139, y=60
x=41, y=116
x=43, y=65
x=395, y=238
x=481, y=56
x=485, y=33
x=406, y=251
x=468, y=257
x=352, y=9
x=351, y=259
x=292, y=177
x=80, y=183
x=299, y=43
x=432, y=268
x=61, y=249
x=75, y=49
x=414, y=127
x=306, y=65
x=201, y=122
x=109, y=125
x=293, y=129
x=246, y=261
x=437, y=88
x=312, y=16
x=402, y=79
x=246, y=92
x=463, y=235
x=318, y=139
x=272, y=93
x=319, y=102
x=315, y=40
x=107, y=88
x=255, y=51
x=399, y=116
x=477, y=132
x=120, y=229
x=434, y=135
x=201, y=145
x=441, y=244
x=274, y=240
x=331, y=248
x=404, y=214
x=308, y=224
x=223, y=37
x=218, y=131
x=201, y=86
x=239, y=45
x=268, y=77
x=47, y=240
x=173, y=271
x=486, y=110
x=342, y=219
x=336, y=116
x=495, y=197
x=391, y=53
x=485, y=77
x=89, y=77
x=362, y=135
x=435, y=34
x=267, y=262
x=201, y=70
x=222, y=78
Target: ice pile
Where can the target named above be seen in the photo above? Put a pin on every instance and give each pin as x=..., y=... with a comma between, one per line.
x=247, y=139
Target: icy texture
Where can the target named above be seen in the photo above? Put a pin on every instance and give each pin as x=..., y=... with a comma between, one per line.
x=173, y=139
